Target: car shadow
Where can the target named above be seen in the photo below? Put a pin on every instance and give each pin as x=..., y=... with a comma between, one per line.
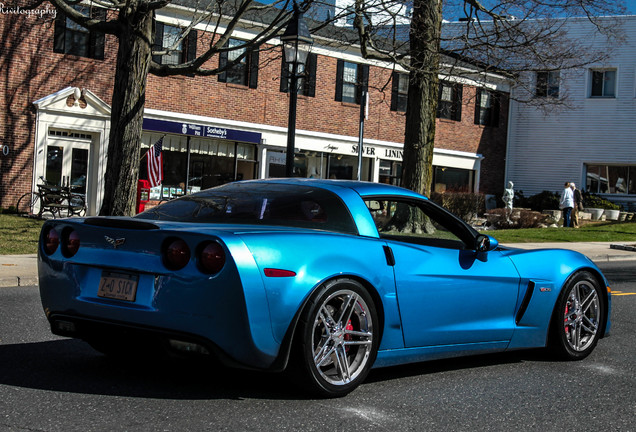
x=69, y=365
x=458, y=363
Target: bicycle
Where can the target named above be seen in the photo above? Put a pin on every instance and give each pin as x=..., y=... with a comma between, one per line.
x=50, y=201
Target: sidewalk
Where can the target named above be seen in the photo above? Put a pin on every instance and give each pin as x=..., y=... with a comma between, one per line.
x=21, y=270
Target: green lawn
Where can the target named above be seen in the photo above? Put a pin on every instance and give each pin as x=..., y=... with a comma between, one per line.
x=594, y=232
x=19, y=235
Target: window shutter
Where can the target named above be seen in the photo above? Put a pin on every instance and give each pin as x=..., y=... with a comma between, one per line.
x=158, y=43
x=310, y=69
x=339, y=77
x=363, y=82
x=284, y=76
x=190, y=48
x=395, y=84
x=95, y=38
x=477, y=105
x=253, y=69
x=60, y=29
x=222, y=63
x=458, y=91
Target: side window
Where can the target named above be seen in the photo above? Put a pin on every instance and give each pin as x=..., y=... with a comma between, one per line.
x=168, y=37
x=409, y=222
x=245, y=71
x=72, y=38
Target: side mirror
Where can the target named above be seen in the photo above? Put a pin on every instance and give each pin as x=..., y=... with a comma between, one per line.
x=486, y=243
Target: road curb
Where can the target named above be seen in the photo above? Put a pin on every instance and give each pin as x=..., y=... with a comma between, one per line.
x=13, y=281
x=625, y=247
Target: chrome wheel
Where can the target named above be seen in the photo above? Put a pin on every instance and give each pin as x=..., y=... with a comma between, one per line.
x=342, y=337
x=337, y=339
x=581, y=316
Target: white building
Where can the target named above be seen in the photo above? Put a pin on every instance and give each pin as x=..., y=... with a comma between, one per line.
x=593, y=143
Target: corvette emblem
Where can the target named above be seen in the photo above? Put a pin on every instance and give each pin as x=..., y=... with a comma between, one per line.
x=115, y=242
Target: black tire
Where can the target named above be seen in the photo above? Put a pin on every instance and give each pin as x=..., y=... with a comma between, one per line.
x=578, y=318
x=27, y=203
x=337, y=339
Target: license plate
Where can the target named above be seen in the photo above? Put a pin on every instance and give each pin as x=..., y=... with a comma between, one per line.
x=119, y=286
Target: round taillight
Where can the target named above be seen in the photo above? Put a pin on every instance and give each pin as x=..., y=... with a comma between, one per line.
x=176, y=254
x=211, y=258
x=70, y=243
x=51, y=241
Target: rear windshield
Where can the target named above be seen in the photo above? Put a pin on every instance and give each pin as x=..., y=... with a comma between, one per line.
x=259, y=204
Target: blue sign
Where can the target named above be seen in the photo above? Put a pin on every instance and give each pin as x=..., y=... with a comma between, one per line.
x=201, y=131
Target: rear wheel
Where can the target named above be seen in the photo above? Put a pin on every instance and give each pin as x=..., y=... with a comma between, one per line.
x=337, y=340
x=27, y=203
x=577, y=322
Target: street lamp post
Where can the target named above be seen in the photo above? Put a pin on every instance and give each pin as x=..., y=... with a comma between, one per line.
x=296, y=46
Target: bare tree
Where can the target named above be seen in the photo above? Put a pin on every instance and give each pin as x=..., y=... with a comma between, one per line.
x=132, y=23
x=510, y=37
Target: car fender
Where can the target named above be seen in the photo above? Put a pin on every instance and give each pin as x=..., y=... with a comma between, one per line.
x=544, y=273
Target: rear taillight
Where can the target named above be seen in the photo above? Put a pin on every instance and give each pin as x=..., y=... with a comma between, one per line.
x=176, y=254
x=211, y=257
x=51, y=240
x=70, y=242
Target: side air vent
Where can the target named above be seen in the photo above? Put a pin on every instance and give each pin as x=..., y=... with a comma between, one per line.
x=123, y=222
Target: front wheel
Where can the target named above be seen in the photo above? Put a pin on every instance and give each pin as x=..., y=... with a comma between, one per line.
x=338, y=338
x=578, y=318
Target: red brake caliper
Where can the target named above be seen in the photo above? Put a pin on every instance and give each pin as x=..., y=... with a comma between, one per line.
x=567, y=328
x=348, y=337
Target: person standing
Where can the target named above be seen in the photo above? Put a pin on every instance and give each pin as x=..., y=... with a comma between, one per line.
x=567, y=204
x=578, y=205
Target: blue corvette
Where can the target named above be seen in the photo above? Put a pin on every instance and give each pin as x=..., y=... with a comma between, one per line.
x=324, y=278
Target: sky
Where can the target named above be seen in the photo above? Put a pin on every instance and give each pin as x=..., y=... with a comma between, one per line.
x=631, y=6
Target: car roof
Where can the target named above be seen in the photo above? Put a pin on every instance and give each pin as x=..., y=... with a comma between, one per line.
x=362, y=188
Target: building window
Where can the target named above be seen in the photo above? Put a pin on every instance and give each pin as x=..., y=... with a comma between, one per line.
x=72, y=38
x=487, y=108
x=350, y=81
x=446, y=179
x=245, y=71
x=603, y=83
x=449, y=105
x=399, y=91
x=548, y=84
x=306, y=78
x=611, y=179
x=169, y=38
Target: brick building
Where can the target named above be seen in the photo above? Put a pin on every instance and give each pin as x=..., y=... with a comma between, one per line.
x=57, y=83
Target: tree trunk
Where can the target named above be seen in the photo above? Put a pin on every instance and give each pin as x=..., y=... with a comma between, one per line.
x=419, y=138
x=129, y=95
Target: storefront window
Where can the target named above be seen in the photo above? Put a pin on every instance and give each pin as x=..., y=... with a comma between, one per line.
x=446, y=179
x=390, y=172
x=211, y=163
x=315, y=164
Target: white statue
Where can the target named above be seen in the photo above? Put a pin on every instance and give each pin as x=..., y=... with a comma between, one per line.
x=509, y=195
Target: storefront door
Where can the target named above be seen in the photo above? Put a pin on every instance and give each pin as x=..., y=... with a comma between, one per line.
x=67, y=163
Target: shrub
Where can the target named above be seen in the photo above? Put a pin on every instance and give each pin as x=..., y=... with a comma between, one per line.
x=545, y=200
x=464, y=205
x=591, y=200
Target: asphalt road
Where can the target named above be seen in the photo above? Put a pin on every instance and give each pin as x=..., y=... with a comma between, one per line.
x=55, y=384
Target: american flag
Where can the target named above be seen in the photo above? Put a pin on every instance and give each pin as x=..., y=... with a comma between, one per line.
x=155, y=163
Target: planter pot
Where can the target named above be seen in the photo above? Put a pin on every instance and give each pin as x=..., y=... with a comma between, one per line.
x=612, y=214
x=595, y=212
x=630, y=216
x=622, y=217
